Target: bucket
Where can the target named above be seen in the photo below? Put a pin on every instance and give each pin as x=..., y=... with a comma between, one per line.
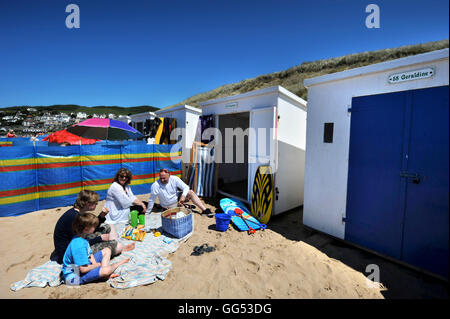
x=222, y=221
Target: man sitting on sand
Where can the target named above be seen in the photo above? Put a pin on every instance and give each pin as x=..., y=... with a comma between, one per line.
x=166, y=189
x=104, y=236
x=80, y=265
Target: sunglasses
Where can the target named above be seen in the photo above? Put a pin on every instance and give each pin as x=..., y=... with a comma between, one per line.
x=123, y=176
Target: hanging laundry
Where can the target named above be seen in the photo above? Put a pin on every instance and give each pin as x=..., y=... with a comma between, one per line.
x=159, y=131
x=174, y=126
x=147, y=124
x=205, y=122
x=153, y=126
x=167, y=130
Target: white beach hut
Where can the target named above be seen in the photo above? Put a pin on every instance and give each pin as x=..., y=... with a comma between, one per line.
x=377, y=156
x=187, y=120
x=139, y=120
x=274, y=124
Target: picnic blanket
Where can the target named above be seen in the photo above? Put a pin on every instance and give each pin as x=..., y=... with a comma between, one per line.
x=148, y=261
x=46, y=274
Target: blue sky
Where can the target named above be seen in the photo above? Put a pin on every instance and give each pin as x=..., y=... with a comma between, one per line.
x=158, y=53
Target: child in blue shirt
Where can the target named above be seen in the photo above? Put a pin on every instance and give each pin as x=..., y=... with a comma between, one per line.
x=80, y=266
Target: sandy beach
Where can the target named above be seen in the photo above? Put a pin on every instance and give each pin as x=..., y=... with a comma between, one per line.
x=287, y=260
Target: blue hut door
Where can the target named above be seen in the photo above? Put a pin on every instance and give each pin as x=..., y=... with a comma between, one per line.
x=375, y=191
x=398, y=184
x=426, y=224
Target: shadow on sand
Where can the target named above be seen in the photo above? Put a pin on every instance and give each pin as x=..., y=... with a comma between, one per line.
x=401, y=282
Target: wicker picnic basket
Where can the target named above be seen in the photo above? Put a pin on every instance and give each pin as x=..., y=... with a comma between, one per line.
x=177, y=227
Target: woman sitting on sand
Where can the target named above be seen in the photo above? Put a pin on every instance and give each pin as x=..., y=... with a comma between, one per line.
x=104, y=235
x=120, y=200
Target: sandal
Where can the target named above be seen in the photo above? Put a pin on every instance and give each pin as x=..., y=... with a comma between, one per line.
x=198, y=250
x=208, y=213
x=192, y=207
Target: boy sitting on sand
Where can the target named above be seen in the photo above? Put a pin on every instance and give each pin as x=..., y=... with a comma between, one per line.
x=105, y=236
x=80, y=266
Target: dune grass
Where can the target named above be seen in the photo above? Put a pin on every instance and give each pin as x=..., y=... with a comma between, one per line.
x=292, y=78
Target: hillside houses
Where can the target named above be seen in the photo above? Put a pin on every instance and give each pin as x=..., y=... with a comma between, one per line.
x=32, y=121
x=25, y=124
x=83, y=116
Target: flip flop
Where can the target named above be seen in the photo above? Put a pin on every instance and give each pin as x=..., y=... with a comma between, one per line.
x=192, y=207
x=208, y=213
x=198, y=250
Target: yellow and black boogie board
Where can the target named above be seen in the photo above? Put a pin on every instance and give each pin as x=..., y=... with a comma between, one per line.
x=262, y=196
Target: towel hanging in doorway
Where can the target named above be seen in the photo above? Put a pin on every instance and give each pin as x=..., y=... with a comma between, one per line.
x=202, y=170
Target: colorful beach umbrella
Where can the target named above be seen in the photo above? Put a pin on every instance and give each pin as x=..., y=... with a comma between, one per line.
x=64, y=136
x=105, y=129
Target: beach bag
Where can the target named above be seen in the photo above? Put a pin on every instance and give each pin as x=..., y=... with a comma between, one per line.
x=177, y=222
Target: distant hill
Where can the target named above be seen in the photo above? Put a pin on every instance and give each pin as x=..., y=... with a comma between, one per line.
x=69, y=108
x=292, y=78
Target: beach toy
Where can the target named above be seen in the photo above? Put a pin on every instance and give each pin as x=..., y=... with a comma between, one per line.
x=263, y=194
x=249, y=219
x=136, y=234
x=239, y=213
x=134, y=218
x=141, y=218
x=141, y=235
x=156, y=233
x=229, y=205
x=167, y=240
x=127, y=232
x=222, y=221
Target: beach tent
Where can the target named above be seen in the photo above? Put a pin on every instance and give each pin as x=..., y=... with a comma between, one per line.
x=377, y=157
x=273, y=123
x=64, y=136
